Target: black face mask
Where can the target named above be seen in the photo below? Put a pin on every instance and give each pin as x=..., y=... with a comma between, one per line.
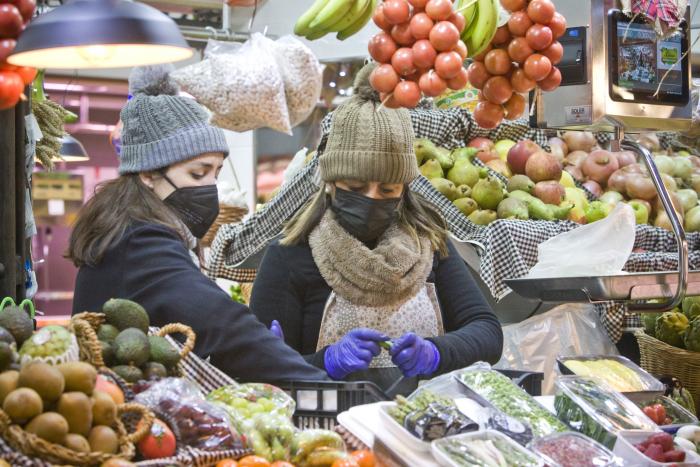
x=364, y=218
x=197, y=206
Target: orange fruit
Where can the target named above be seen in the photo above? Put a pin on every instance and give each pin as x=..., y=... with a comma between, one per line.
x=227, y=463
x=347, y=462
x=254, y=461
x=104, y=385
x=365, y=458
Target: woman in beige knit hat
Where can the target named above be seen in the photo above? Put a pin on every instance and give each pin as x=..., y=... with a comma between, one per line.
x=366, y=263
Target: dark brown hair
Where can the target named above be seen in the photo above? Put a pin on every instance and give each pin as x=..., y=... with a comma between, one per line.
x=115, y=205
x=416, y=215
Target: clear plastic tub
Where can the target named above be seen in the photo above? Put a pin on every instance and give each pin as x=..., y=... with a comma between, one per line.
x=518, y=455
x=572, y=450
x=679, y=415
x=398, y=431
x=624, y=448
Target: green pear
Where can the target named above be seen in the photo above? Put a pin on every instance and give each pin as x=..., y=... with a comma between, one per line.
x=612, y=197
x=664, y=164
x=683, y=153
x=561, y=212
x=682, y=167
x=695, y=182
x=692, y=220
x=521, y=195
x=597, y=210
x=521, y=183
x=502, y=147
x=460, y=154
x=466, y=205
x=431, y=169
x=641, y=211
x=465, y=191
x=539, y=210
x=444, y=157
x=576, y=196
x=512, y=208
x=566, y=180
x=446, y=187
x=463, y=173
x=688, y=198
x=483, y=217
x=487, y=193
x=424, y=149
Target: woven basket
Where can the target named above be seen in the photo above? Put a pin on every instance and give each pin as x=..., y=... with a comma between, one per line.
x=32, y=445
x=659, y=358
x=227, y=215
x=85, y=325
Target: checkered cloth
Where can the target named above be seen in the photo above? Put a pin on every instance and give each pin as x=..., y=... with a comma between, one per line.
x=669, y=12
x=510, y=246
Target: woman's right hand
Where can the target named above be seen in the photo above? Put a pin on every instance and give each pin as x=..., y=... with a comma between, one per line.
x=353, y=352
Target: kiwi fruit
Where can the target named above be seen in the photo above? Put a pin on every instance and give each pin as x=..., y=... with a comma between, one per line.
x=76, y=408
x=116, y=462
x=49, y=426
x=76, y=443
x=7, y=356
x=45, y=379
x=22, y=405
x=8, y=383
x=79, y=376
x=103, y=439
x=104, y=410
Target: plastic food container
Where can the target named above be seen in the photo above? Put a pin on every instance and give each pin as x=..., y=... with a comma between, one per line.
x=441, y=449
x=572, y=450
x=596, y=411
x=624, y=448
x=399, y=431
x=633, y=375
x=674, y=410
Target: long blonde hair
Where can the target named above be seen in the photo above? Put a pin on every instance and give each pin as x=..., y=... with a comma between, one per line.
x=415, y=214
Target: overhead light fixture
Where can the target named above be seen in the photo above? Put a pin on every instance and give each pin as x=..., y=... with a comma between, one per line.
x=72, y=150
x=100, y=34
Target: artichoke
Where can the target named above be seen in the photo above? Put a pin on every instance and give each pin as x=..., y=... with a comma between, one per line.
x=691, y=307
x=692, y=336
x=670, y=328
x=649, y=322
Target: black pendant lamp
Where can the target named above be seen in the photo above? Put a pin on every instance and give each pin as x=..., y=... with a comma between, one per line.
x=100, y=34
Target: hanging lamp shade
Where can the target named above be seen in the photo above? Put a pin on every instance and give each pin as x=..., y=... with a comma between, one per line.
x=72, y=150
x=100, y=34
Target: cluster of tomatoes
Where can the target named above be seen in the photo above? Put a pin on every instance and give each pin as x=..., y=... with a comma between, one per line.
x=418, y=50
x=522, y=56
x=14, y=16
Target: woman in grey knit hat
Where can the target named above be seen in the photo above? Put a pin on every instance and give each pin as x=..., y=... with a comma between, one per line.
x=134, y=237
x=367, y=262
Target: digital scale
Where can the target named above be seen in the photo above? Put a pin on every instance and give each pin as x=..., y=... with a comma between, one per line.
x=611, y=73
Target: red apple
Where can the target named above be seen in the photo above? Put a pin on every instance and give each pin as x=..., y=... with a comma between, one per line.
x=594, y=188
x=519, y=154
x=599, y=165
x=542, y=166
x=550, y=192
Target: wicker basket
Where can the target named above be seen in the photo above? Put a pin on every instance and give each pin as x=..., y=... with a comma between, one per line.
x=85, y=325
x=32, y=445
x=659, y=358
x=227, y=215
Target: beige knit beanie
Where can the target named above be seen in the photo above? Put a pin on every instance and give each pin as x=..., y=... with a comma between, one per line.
x=368, y=141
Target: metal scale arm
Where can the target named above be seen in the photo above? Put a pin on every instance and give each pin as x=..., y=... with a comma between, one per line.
x=678, y=232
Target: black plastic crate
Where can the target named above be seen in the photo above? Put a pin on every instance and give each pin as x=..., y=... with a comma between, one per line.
x=320, y=402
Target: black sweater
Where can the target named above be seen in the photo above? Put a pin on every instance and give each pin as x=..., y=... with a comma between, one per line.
x=151, y=266
x=289, y=288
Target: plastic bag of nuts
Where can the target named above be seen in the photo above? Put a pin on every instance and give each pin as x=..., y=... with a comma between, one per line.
x=244, y=89
x=200, y=424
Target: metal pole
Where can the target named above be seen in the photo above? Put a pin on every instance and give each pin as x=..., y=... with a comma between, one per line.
x=7, y=204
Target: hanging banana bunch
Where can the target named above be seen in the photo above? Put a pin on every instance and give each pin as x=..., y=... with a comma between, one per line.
x=344, y=17
x=51, y=117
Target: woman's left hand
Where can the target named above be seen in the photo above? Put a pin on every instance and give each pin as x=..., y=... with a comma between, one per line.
x=276, y=329
x=414, y=355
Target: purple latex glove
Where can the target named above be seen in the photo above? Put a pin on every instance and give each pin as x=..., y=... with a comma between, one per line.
x=414, y=355
x=353, y=352
x=276, y=329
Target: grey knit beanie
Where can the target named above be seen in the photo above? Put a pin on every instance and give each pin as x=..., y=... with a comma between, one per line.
x=162, y=128
x=367, y=141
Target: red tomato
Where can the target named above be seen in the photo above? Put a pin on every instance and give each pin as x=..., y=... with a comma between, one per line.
x=418, y=3
x=402, y=61
x=478, y=74
x=539, y=37
x=498, y=90
x=502, y=35
x=558, y=25
x=424, y=54
x=396, y=11
x=519, y=49
x=6, y=48
x=488, y=115
x=407, y=94
x=364, y=458
x=382, y=47
x=444, y=36
x=521, y=82
x=401, y=33
x=27, y=74
x=459, y=81
x=11, y=87
x=552, y=81
x=388, y=100
x=537, y=67
x=379, y=18
x=431, y=84
x=541, y=11
x=458, y=20
x=253, y=461
x=384, y=78
x=515, y=106
x=480, y=57
x=448, y=64
x=519, y=23
x=461, y=49
x=498, y=62
x=26, y=8
x=554, y=52
x=11, y=22
x=513, y=5
x=160, y=442
x=421, y=25
x=660, y=411
x=439, y=10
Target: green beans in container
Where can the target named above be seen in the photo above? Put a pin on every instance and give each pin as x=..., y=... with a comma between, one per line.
x=500, y=392
x=597, y=411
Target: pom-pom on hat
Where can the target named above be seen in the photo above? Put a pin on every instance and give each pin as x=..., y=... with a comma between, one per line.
x=368, y=141
x=162, y=128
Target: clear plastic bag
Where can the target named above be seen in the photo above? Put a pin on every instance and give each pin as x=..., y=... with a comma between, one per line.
x=250, y=399
x=200, y=424
x=598, y=249
x=302, y=74
x=243, y=88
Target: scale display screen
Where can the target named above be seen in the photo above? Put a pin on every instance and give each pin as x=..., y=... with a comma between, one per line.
x=642, y=63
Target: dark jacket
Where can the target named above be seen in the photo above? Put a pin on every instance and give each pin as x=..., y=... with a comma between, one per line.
x=289, y=288
x=151, y=266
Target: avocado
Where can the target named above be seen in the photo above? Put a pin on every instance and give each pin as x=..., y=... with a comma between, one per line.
x=6, y=355
x=132, y=347
x=107, y=333
x=154, y=370
x=17, y=322
x=108, y=353
x=126, y=314
x=163, y=351
x=128, y=373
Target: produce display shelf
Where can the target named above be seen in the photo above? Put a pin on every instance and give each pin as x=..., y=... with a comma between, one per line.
x=620, y=288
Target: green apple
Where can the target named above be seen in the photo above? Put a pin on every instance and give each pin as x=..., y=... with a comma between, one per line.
x=664, y=164
x=597, y=210
x=612, y=197
x=683, y=153
x=641, y=211
x=566, y=180
x=502, y=147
